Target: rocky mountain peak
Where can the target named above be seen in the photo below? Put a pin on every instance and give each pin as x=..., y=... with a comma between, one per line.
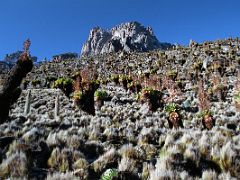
x=131, y=36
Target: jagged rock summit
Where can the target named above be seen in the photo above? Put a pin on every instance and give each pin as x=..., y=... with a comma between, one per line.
x=131, y=36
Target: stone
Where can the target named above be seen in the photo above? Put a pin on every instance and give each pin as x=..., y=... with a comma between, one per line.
x=125, y=37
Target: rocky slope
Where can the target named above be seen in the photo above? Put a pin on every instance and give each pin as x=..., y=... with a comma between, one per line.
x=57, y=140
x=127, y=37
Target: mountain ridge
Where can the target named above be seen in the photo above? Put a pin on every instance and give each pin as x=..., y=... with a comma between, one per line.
x=130, y=36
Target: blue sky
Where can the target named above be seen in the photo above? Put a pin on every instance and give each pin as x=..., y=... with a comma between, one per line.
x=57, y=26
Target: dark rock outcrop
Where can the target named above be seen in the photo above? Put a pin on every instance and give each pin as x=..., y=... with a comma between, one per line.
x=65, y=56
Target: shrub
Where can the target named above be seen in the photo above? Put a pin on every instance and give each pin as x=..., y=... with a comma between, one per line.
x=49, y=80
x=207, y=119
x=65, y=84
x=25, y=83
x=172, y=74
x=36, y=82
x=171, y=107
x=134, y=86
x=84, y=89
x=174, y=119
x=180, y=84
x=77, y=95
x=124, y=80
x=203, y=98
x=101, y=95
x=152, y=97
x=115, y=78
x=221, y=91
x=109, y=174
x=237, y=100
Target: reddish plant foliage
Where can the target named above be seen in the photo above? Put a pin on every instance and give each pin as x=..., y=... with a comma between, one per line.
x=237, y=84
x=172, y=89
x=26, y=46
x=216, y=79
x=154, y=82
x=25, y=55
x=204, y=103
x=77, y=83
x=84, y=78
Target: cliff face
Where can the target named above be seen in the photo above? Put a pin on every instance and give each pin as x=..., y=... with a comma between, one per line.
x=127, y=37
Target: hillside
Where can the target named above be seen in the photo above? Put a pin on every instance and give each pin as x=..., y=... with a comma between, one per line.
x=161, y=114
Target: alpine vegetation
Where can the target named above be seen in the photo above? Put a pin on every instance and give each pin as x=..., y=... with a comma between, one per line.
x=128, y=108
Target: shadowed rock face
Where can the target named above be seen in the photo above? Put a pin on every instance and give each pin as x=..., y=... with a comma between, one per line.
x=126, y=37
